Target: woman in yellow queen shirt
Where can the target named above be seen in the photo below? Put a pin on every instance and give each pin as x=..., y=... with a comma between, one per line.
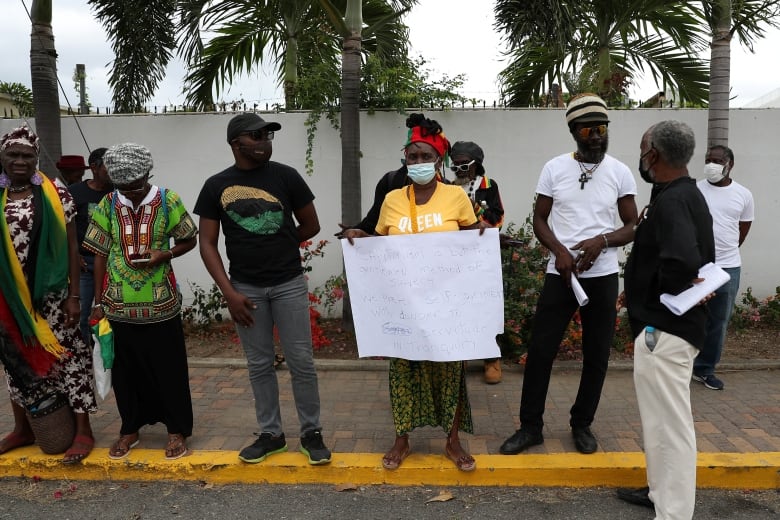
x=426, y=393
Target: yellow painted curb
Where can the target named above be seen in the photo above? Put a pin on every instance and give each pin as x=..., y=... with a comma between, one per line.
x=715, y=470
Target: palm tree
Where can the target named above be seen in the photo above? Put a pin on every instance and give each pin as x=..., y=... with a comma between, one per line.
x=46, y=100
x=300, y=36
x=609, y=39
x=143, y=40
x=748, y=20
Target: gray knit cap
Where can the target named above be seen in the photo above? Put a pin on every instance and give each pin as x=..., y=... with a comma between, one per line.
x=127, y=162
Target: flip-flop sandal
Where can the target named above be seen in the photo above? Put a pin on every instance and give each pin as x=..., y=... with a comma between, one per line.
x=392, y=463
x=121, y=448
x=79, y=450
x=175, y=449
x=464, y=463
x=14, y=440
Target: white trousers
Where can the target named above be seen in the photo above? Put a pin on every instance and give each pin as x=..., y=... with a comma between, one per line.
x=662, y=379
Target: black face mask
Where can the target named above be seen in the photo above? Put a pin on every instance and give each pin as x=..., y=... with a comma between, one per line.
x=645, y=174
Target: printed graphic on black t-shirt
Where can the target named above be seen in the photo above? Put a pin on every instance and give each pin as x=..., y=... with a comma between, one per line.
x=254, y=209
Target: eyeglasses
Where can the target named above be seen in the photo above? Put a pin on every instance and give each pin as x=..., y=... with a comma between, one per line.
x=129, y=191
x=261, y=135
x=598, y=129
x=462, y=167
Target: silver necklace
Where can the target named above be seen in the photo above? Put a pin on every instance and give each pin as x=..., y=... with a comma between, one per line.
x=586, y=174
x=19, y=189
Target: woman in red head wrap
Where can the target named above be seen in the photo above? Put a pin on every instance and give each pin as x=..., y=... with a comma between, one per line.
x=426, y=393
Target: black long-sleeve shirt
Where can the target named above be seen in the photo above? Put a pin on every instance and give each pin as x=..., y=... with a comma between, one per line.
x=390, y=181
x=672, y=241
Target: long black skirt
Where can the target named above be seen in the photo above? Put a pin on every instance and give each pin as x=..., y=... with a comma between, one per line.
x=150, y=376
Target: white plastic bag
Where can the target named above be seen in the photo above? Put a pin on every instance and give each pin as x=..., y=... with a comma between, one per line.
x=102, y=375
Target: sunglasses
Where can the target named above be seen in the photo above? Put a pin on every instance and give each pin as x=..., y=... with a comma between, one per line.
x=462, y=167
x=261, y=135
x=598, y=129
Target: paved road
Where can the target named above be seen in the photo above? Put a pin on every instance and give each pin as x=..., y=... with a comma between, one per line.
x=65, y=500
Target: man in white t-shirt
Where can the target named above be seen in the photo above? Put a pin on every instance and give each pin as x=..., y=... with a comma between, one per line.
x=732, y=209
x=582, y=199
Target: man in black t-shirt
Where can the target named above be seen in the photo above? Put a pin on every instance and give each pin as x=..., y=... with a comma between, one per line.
x=86, y=195
x=254, y=202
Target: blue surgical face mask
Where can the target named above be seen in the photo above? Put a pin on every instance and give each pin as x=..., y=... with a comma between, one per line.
x=421, y=173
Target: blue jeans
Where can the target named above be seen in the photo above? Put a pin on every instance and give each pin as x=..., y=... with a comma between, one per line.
x=719, y=311
x=87, y=292
x=287, y=306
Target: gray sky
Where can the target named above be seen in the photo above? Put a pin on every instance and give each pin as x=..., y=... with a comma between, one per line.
x=453, y=39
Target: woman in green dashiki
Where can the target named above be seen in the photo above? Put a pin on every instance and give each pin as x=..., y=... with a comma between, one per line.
x=135, y=288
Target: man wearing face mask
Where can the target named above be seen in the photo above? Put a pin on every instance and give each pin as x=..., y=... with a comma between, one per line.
x=580, y=196
x=732, y=210
x=254, y=202
x=673, y=240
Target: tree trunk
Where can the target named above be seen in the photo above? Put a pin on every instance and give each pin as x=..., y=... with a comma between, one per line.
x=720, y=73
x=43, y=72
x=350, y=140
x=291, y=73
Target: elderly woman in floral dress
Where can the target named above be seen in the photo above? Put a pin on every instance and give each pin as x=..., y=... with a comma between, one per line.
x=39, y=302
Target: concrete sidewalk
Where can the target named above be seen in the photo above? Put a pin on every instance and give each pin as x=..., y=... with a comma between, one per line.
x=738, y=433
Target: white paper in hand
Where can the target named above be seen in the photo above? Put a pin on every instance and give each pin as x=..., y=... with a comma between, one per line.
x=579, y=292
x=713, y=276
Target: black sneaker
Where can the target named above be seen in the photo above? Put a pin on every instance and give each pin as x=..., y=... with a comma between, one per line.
x=711, y=382
x=313, y=447
x=264, y=446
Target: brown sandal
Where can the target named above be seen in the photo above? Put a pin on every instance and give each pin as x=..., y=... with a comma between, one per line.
x=121, y=448
x=464, y=462
x=15, y=440
x=176, y=448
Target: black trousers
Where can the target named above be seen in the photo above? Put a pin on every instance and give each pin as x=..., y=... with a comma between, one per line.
x=150, y=376
x=554, y=310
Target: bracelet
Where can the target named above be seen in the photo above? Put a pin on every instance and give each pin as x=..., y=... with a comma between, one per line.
x=98, y=306
x=74, y=296
x=171, y=252
x=606, y=243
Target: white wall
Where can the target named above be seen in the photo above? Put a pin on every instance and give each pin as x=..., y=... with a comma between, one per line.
x=188, y=148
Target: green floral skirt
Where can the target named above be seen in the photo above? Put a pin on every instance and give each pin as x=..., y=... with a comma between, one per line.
x=428, y=393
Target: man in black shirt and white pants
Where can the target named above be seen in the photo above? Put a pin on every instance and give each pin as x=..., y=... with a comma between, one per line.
x=673, y=240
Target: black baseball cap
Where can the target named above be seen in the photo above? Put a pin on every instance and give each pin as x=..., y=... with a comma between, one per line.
x=248, y=122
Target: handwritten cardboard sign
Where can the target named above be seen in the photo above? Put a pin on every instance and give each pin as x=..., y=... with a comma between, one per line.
x=428, y=296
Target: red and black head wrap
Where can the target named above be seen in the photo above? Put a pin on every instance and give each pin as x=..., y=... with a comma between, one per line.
x=424, y=130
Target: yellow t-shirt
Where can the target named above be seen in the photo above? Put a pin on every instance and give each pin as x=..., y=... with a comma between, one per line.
x=448, y=209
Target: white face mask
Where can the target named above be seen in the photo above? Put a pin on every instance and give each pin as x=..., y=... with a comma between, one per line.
x=714, y=172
